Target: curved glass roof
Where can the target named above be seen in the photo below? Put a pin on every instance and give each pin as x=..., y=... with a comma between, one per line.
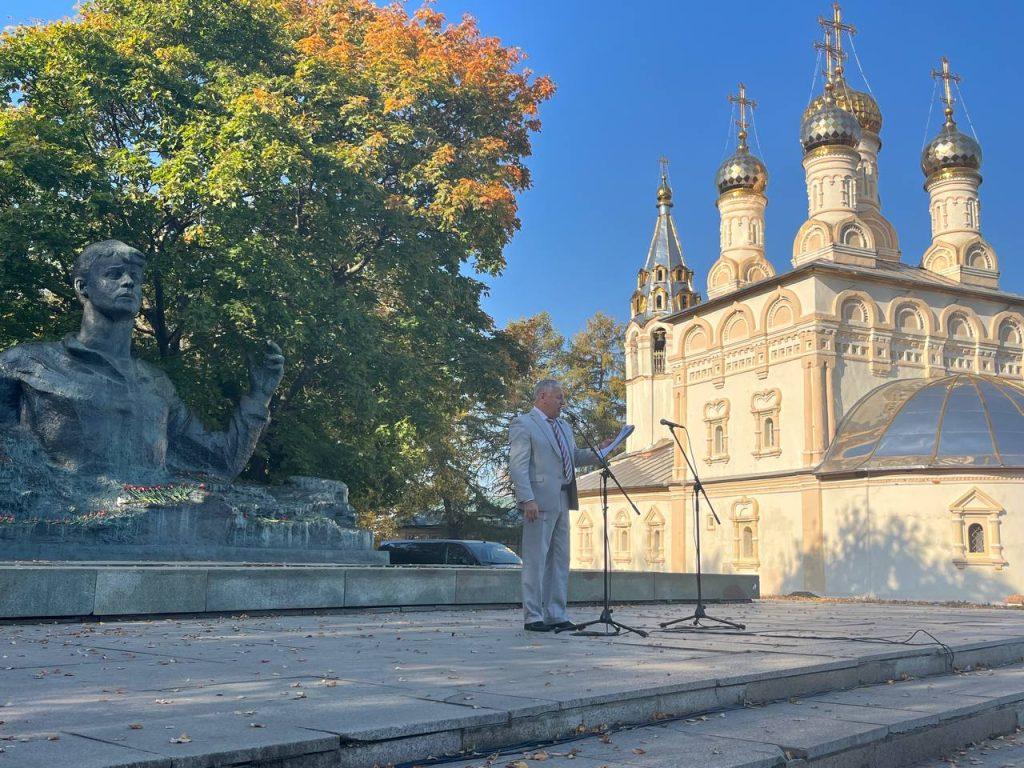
x=963, y=420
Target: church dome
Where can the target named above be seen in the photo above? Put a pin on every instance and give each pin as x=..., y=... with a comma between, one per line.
x=829, y=125
x=741, y=170
x=861, y=105
x=963, y=420
x=951, y=149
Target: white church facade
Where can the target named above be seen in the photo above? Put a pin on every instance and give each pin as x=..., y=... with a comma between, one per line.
x=858, y=421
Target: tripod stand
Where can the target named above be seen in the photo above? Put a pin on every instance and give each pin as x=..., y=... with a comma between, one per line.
x=606, y=611
x=698, y=490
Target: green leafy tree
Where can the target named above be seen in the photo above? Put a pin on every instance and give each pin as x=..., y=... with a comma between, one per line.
x=594, y=374
x=320, y=172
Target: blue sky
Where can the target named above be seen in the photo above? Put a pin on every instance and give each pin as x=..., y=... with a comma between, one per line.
x=640, y=80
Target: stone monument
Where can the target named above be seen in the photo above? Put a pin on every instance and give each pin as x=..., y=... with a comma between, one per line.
x=100, y=458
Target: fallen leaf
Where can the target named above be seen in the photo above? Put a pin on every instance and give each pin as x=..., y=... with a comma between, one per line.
x=183, y=739
x=542, y=755
x=135, y=726
x=53, y=737
x=638, y=751
x=604, y=738
x=257, y=725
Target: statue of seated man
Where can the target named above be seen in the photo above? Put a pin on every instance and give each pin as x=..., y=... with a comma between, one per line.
x=97, y=410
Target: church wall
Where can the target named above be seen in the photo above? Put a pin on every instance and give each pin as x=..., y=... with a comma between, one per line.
x=772, y=511
x=898, y=536
x=643, y=543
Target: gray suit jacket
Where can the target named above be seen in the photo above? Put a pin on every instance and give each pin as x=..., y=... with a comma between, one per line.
x=535, y=463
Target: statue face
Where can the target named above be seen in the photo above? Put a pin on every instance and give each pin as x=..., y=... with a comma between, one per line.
x=114, y=284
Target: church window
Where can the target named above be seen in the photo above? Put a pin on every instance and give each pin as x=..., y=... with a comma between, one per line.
x=659, y=275
x=632, y=360
x=975, y=538
x=641, y=278
x=655, y=537
x=658, y=352
x=659, y=301
x=977, y=541
x=621, y=544
x=747, y=549
x=677, y=274
x=765, y=407
x=585, y=548
x=716, y=420
x=745, y=519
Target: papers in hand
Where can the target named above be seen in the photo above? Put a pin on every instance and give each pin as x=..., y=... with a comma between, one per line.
x=625, y=432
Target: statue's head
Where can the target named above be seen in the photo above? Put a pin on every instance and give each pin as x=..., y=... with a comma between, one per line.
x=108, y=276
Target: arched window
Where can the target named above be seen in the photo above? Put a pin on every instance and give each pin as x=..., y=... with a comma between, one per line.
x=976, y=538
x=621, y=546
x=659, y=275
x=659, y=301
x=719, y=440
x=769, y=433
x=747, y=546
x=658, y=351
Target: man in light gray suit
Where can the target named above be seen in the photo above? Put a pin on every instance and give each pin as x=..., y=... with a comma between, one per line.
x=542, y=461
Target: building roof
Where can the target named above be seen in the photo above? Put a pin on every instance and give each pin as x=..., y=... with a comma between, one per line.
x=649, y=468
x=963, y=420
x=882, y=270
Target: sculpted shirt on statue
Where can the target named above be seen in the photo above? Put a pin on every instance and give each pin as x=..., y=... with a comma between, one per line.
x=97, y=415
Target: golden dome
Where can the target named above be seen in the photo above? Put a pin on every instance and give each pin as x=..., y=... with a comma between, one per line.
x=861, y=105
x=829, y=125
x=664, y=192
x=741, y=170
x=951, y=149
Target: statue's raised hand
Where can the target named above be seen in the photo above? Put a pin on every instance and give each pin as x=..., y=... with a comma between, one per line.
x=265, y=375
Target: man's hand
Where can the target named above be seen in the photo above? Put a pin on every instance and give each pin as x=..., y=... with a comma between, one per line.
x=265, y=377
x=531, y=511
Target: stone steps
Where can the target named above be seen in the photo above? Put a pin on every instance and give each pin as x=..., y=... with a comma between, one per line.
x=273, y=694
x=877, y=726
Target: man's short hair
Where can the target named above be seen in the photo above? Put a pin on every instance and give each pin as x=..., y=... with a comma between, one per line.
x=89, y=254
x=545, y=385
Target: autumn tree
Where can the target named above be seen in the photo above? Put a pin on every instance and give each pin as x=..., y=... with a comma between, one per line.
x=595, y=375
x=326, y=173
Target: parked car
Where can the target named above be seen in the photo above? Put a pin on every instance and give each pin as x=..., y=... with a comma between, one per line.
x=450, y=552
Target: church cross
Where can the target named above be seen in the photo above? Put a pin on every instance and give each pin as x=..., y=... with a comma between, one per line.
x=743, y=103
x=947, y=77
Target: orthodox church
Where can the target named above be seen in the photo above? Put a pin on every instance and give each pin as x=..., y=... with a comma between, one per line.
x=858, y=420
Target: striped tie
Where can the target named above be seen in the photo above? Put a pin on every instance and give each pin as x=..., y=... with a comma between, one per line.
x=566, y=459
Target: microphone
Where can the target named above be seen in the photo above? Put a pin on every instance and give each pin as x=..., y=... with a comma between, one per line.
x=671, y=424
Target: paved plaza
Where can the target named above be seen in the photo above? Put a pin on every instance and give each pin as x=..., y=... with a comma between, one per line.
x=239, y=688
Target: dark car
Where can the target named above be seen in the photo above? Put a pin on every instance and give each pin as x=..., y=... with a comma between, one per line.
x=450, y=552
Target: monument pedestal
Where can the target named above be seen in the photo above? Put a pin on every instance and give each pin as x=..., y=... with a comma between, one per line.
x=307, y=520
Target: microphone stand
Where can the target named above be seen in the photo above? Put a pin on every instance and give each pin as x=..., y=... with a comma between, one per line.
x=698, y=490
x=606, y=612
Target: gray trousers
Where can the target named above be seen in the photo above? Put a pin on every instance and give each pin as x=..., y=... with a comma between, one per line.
x=545, y=554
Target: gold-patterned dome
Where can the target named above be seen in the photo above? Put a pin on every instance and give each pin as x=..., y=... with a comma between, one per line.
x=861, y=105
x=741, y=170
x=829, y=125
x=664, y=192
x=951, y=149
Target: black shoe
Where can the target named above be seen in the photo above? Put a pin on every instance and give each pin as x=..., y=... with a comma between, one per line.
x=537, y=626
x=562, y=626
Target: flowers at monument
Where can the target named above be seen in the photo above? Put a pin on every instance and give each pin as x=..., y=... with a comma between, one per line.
x=161, y=495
